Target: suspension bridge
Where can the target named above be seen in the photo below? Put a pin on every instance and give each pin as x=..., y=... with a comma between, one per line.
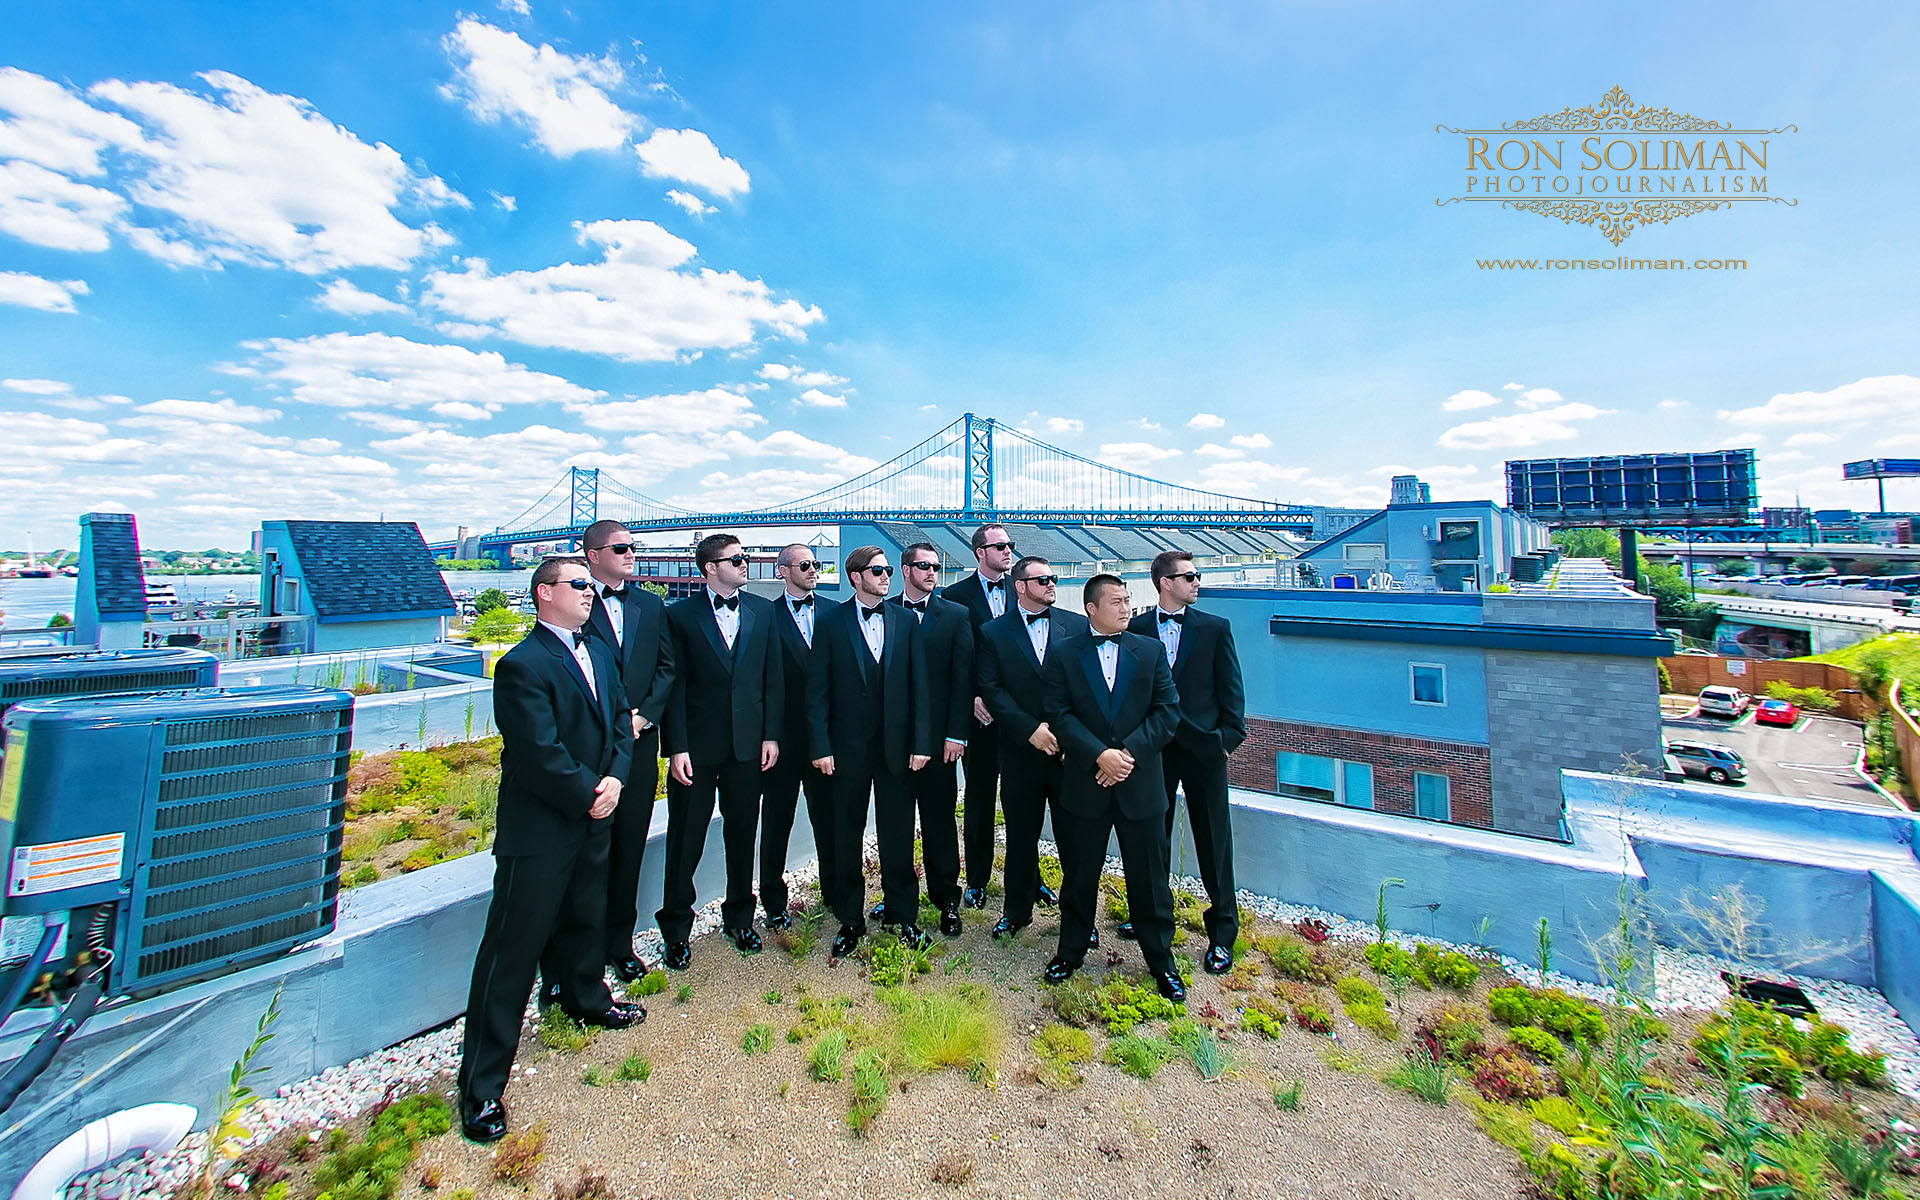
x=972, y=471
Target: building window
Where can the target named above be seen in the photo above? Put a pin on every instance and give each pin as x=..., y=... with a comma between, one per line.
x=1305, y=776
x=1356, y=785
x=1364, y=551
x=1429, y=684
x=1432, y=796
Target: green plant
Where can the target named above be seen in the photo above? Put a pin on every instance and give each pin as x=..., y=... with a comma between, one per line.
x=498, y=627
x=651, y=984
x=1312, y=1017
x=1355, y=990
x=1059, y=1047
x=488, y=600
x=1292, y=958
x=1140, y=1056
x=1074, y=1001
x=518, y=1154
x=1865, y=1168
x=1265, y=1024
x=589, y=1184
x=954, y=1028
x=774, y=998
x=560, y=1032
x=825, y=1059
x=1287, y=1099
x=593, y=1075
x=634, y=1068
x=1506, y=1075
x=1543, y=940
x=1423, y=1074
x=1374, y=1019
x=757, y=1040
x=870, y=1068
x=1209, y=1056
x=1572, y=1018
x=1124, y=1003
x=372, y=1167
x=1772, y=1049
x=1535, y=1041
x=1448, y=968
x=1380, y=909
x=684, y=994
x=228, y=1135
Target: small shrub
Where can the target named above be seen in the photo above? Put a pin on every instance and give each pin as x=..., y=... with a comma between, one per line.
x=1074, y=1002
x=1571, y=1018
x=1124, y=1004
x=651, y=984
x=1535, y=1041
x=1243, y=977
x=1140, y=1056
x=757, y=1040
x=1265, y=1024
x=518, y=1154
x=1312, y=1018
x=1287, y=1099
x=634, y=1068
x=1374, y=1019
x=1292, y=958
x=1448, y=968
x=560, y=1032
x=1773, y=1050
x=1506, y=1075
x=825, y=1059
x=1059, y=1047
x=1397, y=962
x=1424, y=1074
x=1458, y=1031
x=1355, y=990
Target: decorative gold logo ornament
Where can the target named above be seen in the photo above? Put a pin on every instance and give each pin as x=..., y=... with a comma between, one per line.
x=1631, y=165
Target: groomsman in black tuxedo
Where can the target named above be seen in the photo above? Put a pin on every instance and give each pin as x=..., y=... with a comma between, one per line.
x=1010, y=659
x=797, y=615
x=633, y=623
x=722, y=730
x=986, y=594
x=1111, y=700
x=566, y=745
x=943, y=638
x=1213, y=722
x=869, y=732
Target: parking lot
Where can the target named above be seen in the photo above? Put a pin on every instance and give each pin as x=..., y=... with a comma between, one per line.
x=1813, y=759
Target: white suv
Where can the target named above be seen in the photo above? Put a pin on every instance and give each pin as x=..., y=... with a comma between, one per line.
x=1723, y=701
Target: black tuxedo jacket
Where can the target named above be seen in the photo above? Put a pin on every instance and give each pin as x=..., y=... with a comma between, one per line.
x=557, y=741
x=853, y=696
x=1010, y=678
x=644, y=649
x=971, y=594
x=725, y=702
x=944, y=641
x=796, y=667
x=1139, y=716
x=1206, y=672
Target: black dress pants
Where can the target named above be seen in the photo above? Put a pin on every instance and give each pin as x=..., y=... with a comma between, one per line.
x=782, y=786
x=935, y=790
x=855, y=779
x=1204, y=779
x=1029, y=779
x=689, y=812
x=982, y=765
x=1143, y=857
x=553, y=902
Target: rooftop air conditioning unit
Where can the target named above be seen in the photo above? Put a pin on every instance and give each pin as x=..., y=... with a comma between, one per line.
x=191, y=833
x=47, y=674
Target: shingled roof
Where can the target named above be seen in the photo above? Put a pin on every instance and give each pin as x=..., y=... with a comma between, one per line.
x=362, y=568
x=119, y=585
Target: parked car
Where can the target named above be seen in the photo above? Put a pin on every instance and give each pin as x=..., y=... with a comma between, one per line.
x=1704, y=760
x=1723, y=701
x=1699, y=653
x=1776, y=712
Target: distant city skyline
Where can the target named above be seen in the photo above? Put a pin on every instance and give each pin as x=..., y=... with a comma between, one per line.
x=346, y=259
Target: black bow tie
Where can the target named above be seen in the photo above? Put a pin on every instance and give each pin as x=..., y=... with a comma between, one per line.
x=991, y=584
x=1179, y=618
x=865, y=612
x=917, y=606
x=1034, y=617
x=579, y=639
x=800, y=604
x=720, y=602
x=1106, y=639
x=615, y=593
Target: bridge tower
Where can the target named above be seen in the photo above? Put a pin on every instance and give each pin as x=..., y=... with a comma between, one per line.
x=978, y=501
x=586, y=495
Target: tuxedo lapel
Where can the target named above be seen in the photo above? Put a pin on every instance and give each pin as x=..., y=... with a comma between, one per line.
x=711, y=628
x=748, y=622
x=1123, y=664
x=604, y=673
x=1023, y=631
x=567, y=665
x=1096, y=678
x=599, y=623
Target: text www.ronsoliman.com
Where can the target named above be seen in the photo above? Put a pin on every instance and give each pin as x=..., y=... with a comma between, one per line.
x=1610, y=264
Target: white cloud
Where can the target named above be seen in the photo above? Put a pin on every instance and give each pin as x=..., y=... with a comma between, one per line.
x=58, y=440
x=818, y=379
x=1511, y=387
x=1673, y=405
x=47, y=295
x=1065, y=425
x=378, y=371
x=561, y=99
x=815, y=398
x=381, y=422
x=1215, y=450
x=1132, y=455
x=775, y=371
x=224, y=410
x=53, y=128
x=519, y=8
x=343, y=297
x=690, y=157
x=1538, y=398
x=1470, y=398
x=1205, y=421
x=695, y=206
x=1520, y=429
x=1149, y=426
x=634, y=304
x=464, y=410
x=1811, y=439
x=1885, y=398
x=38, y=387
x=1252, y=441
x=48, y=209
x=711, y=411
x=505, y=202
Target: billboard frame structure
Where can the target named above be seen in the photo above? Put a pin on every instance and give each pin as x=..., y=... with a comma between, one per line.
x=1880, y=470
x=1714, y=487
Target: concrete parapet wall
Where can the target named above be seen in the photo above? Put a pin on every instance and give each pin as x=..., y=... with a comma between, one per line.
x=452, y=699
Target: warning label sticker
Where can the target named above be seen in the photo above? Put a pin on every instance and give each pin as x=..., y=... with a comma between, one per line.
x=57, y=866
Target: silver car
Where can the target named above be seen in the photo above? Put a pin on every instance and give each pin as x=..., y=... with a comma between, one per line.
x=1704, y=760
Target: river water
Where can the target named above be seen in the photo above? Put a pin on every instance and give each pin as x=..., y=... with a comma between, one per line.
x=29, y=603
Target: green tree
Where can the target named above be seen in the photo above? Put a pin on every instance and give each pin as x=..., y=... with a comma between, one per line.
x=1866, y=566
x=1806, y=564
x=489, y=600
x=498, y=626
x=1589, y=543
x=1736, y=566
x=59, y=621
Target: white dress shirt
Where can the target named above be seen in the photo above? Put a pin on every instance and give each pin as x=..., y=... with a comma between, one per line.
x=874, y=629
x=1169, y=633
x=728, y=619
x=996, y=596
x=581, y=658
x=1037, y=634
x=1109, y=660
x=616, y=613
x=802, y=616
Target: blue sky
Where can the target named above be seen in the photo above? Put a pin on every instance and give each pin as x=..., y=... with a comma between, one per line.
x=405, y=258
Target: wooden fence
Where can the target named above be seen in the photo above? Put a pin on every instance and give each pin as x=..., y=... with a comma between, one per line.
x=1905, y=736
x=1691, y=672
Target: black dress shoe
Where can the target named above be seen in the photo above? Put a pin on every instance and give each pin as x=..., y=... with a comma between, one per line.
x=950, y=922
x=483, y=1122
x=1047, y=895
x=1170, y=986
x=846, y=940
x=678, y=956
x=746, y=941
x=1093, y=939
x=912, y=935
x=975, y=898
x=1058, y=970
x=549, y=994
x=619, y=1015
x=1003, y=928
x=878, y=911
x=629, y=968
x=779, y=920
x=1218, y=961
x=1126, y=932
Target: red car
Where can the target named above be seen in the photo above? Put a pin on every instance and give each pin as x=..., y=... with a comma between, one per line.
x=1776, y=712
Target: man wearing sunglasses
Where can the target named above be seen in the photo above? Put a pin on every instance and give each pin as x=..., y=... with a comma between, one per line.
x=1011, y=657
x=632, y=622
x=797, y=615
x=986, y=594
x=943, y=637
x=721, y=731
x=565, y=747
x=869, y=730
x=1213, y=722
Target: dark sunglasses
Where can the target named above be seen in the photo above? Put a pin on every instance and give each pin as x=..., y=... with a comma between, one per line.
x=738, y=560
x=879, y=571
x=808, y=565
x=926, y=565
x=578, y=585
x=617, y=547
x=1041, y=580
x=996, y=545
x=1189, y=576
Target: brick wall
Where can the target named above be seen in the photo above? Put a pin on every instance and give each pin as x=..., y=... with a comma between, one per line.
x=1394, y=760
